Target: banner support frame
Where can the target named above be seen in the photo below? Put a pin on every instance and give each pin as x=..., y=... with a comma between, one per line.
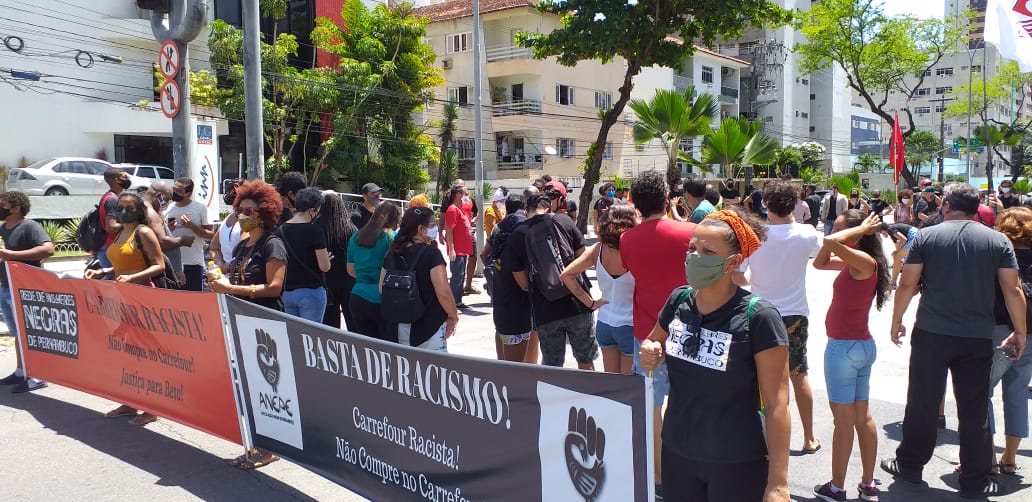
x=232, y=359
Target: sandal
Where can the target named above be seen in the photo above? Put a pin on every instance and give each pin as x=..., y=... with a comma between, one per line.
x=143, y=419
x=815, y=449
x=1008, y=469
x=121, y=411
x=254, y=458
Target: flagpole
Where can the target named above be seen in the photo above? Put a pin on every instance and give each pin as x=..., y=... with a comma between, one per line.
x=985, y=124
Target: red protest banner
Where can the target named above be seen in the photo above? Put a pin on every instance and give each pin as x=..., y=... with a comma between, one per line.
x=156, y=350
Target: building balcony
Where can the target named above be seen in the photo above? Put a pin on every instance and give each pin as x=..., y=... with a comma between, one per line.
x=507, y=52
x=727, y=100
x=516, y=107
x=730, y=92
x=682, y=83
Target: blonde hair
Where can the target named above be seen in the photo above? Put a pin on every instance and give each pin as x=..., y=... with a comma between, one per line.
x=1016, y=224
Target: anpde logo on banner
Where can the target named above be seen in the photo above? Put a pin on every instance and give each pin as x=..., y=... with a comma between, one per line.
x=51, y=322
x=265, y=351
x=584, y=448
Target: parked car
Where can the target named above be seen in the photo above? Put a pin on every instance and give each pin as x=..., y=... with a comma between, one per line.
x=60, y=176
x=149, y=173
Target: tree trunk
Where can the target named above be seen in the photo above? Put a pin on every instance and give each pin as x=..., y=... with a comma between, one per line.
x=748, y=181
x=594, y=167
x=673, y=174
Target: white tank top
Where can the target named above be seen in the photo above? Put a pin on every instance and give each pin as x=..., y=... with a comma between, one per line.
x=229, y=238
x=618, y=291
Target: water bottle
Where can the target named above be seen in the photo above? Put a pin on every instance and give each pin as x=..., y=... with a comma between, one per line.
x=213, y=271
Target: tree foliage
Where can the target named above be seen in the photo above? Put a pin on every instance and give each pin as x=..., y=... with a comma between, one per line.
x=736, y=143
x=448, y=167
x=880, y=54
x=920, y=149
x=671, y=116
x=642, y=34
x=788, y=160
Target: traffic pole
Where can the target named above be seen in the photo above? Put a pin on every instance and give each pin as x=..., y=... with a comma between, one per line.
x=254, y=122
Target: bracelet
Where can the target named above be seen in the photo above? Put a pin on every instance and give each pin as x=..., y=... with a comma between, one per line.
x=251, y=294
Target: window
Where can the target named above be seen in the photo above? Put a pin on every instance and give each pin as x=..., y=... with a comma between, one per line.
x=166, y=173
x=603, y=100
x=805, y=115
x=805, y=81
x=685, y=145
x=459, y=95
x=813, y=97
x=921, y=110
x=813, y=128
x=146, y=172
x=976, y=68
x=707, y=74
x=639, y=148
x=940, y=108
x=943, y=72
x=460, y=42
x=607, y=154
x=944, y=90
x=924, y=91
x=927, y=73
x=466, y=148
x=769, y=119
x=564, y=94
x=565, y=147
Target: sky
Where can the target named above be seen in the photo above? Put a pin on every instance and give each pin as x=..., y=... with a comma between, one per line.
x=918, y=8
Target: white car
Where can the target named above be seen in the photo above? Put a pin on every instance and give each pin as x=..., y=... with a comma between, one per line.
x=60, y=176
x=148, y=173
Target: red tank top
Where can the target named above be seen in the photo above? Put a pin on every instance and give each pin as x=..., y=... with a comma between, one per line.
x=850, y=306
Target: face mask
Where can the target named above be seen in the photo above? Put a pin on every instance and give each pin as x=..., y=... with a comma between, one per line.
x=125, y=184
x=703, y=271
x=1005, y=189
x=610, y=194
x=177, y=198
x=126, y=215
x=248, y=223
x=465, y=199
x=4, y=213
x=905, y=201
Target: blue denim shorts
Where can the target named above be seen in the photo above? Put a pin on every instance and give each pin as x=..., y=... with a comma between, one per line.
x=660, y=377
x=621, y=337
x=847, y=369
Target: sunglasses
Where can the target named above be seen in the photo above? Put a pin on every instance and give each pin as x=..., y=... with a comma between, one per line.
x=247, y=211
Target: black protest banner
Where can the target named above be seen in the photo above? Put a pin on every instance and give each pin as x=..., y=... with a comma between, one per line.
x=397, y=423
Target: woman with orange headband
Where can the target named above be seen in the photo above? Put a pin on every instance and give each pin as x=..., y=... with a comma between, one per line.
x=727, y=356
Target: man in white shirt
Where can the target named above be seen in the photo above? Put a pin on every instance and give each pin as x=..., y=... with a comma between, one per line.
x=189, y=217
x=778, y=275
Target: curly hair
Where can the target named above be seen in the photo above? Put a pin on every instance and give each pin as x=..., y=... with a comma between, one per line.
x=872, y=245
x=781, y=197
x=649, y=193
x=17, y=199
x=729, y=234
x=1016, y=224
x=270, y=206
x=614, y=222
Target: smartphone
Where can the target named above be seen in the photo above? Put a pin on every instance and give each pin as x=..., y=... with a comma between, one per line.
x=1008, y=351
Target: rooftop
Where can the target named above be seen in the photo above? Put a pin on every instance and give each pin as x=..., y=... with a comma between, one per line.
x=457, y=9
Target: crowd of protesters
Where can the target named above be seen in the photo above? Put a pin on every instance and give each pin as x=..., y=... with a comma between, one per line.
x=671, y=301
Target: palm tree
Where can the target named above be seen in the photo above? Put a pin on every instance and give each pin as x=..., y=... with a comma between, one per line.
x=739, y=142
x=786, y=159
x=671, y=116
x=449, y=124
x=998, y=136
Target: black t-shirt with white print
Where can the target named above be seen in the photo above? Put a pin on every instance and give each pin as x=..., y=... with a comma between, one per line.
x=713, y=411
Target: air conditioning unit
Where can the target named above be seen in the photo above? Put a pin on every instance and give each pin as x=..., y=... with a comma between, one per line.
x=446, y=64
x=726, y=71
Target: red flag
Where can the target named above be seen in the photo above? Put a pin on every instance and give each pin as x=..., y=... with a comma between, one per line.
x=896, y=159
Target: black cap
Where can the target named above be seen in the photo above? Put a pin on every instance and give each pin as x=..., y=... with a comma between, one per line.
x=370, y=187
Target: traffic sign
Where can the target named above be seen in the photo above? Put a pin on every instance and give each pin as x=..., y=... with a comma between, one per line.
x=170, y=99
x=168, y=60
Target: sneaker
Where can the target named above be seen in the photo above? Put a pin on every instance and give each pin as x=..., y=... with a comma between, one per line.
x=471, y=291
x=942, y=422
x=991, y=489
x=824, y=492
x=891, y=466
x=12, y=379
x=868, y=493
x=29, y=385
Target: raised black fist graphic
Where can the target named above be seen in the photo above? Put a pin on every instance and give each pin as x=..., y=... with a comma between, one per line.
x=585, y=449
x=267, y=360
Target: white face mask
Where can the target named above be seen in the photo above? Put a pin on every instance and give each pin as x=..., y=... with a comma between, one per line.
x=465, y=199
x=905, y=201
x=1005, y=189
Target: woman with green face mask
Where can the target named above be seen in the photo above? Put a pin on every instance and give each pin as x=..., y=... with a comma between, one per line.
x=727, y=357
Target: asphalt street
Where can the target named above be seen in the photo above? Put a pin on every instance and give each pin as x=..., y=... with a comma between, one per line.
x=59, y=446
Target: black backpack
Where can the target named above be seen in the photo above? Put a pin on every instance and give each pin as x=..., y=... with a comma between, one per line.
x=166, y=279
x=549, y=252
x=498, y=238
x=400, y=301
x=91, y=235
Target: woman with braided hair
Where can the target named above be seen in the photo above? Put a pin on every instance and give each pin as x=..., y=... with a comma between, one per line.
x=727, y=357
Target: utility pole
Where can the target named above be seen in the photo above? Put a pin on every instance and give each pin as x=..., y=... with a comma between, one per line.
x=942, y=133
x=186, y=18
x=254, y=122
x=478, y=130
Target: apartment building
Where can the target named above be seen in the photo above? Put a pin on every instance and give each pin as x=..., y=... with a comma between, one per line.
x=72, y=76
x=538, y=116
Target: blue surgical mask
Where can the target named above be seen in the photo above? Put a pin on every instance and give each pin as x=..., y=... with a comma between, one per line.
x=610, y=194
